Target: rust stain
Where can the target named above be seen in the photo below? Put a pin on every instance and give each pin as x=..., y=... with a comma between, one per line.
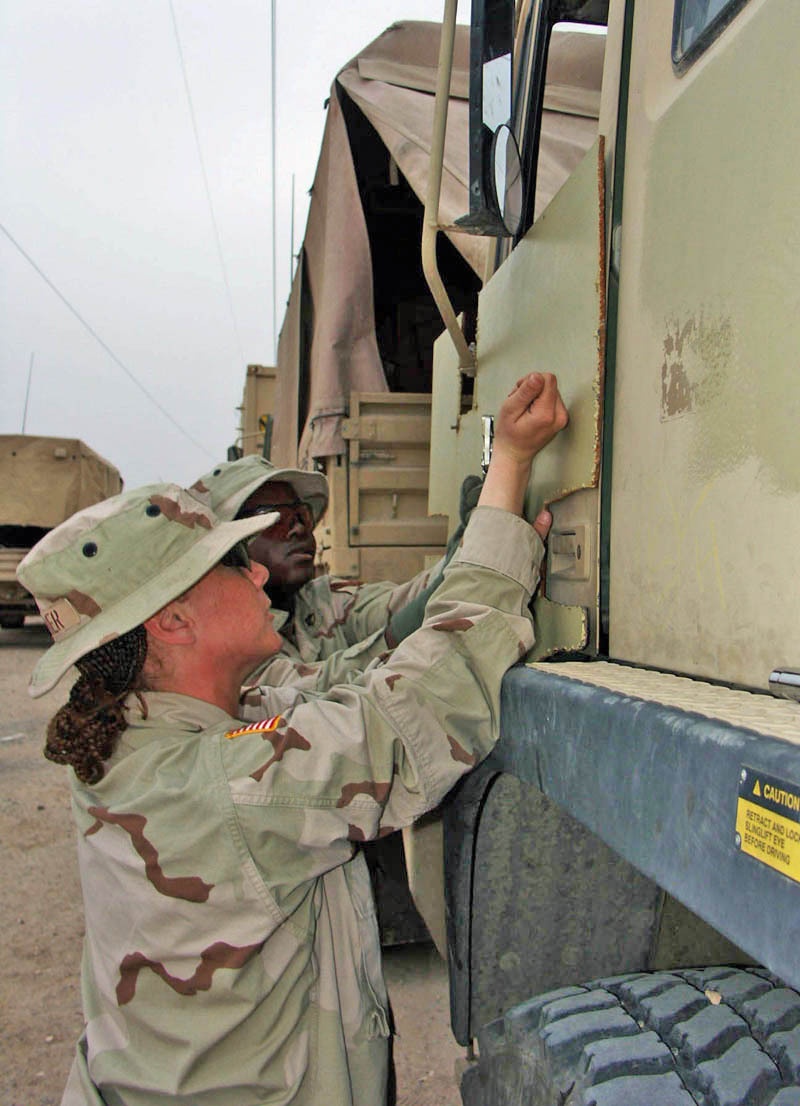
x=695, y=372
x=677, y=391
x=602, y=277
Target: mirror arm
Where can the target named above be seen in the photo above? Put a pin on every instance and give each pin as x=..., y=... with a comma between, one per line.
x=430, y=224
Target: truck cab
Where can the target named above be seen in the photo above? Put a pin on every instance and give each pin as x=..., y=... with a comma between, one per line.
x=637, y=820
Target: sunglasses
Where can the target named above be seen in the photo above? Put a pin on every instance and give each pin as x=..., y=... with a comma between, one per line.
x=297, y=510
x=237, y=556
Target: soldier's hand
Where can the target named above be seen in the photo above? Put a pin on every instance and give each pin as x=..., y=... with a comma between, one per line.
x=542, y=523
x=530, y=417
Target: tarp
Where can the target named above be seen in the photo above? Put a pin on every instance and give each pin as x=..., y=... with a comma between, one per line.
x=45, y=480
x=393, y=82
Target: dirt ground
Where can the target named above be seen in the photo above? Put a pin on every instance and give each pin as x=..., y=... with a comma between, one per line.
x=41, y=921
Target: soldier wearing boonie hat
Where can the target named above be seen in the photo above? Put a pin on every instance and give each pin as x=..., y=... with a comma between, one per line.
x=231, y=483
x=231, y=953
x=108, y=568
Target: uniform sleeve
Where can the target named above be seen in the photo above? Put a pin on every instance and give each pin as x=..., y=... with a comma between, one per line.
x=359, y=613
x=366, y=608
x=316, y=677
x=375, y=754
x=404, y=593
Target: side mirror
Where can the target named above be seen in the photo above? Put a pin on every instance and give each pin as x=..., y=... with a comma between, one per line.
x=507, y=178
x=495, y=180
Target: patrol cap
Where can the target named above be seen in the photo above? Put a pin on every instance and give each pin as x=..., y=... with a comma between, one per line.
x=231, y=483
x=111, y=566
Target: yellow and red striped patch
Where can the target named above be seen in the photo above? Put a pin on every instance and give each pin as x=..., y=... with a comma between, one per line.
x=266, y=725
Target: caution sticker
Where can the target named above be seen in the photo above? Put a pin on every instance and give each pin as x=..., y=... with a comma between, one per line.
x=768, y=821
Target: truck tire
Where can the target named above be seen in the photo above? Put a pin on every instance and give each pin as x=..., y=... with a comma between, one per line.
x=713, y=1037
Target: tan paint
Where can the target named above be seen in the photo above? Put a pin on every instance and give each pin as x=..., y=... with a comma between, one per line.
x=544, y=309
x=258, y=402
x=377, y=525
x=706, y=468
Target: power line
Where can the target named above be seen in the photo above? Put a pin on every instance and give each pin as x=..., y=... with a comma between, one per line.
x=205, y=183
x=103, y=344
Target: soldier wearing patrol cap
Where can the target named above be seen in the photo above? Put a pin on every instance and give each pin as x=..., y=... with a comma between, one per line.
x=231, y=955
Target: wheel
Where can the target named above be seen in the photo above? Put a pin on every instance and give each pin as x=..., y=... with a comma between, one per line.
x=711, y=1037
x=12, y=621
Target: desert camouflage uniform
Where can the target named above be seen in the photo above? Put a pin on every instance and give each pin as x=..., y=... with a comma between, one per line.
x=335, y=631
x=231, y=954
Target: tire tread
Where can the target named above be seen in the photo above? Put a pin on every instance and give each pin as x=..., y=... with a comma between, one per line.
x=719, y=1036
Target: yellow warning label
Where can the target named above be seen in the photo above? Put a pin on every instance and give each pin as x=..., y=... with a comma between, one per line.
x=757, y=788
x=769, y=837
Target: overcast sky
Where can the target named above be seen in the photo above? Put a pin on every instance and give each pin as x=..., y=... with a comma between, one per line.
x=101, y=186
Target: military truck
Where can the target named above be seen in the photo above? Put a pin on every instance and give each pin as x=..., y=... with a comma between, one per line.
x=351, y=391
x=42, y=482
x=622, y=873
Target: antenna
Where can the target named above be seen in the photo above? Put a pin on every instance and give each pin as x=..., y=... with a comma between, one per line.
x=206, y=185
x=27, y=394
x=291, y=243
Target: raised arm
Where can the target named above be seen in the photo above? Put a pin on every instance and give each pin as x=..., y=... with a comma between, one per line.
x=529, y=418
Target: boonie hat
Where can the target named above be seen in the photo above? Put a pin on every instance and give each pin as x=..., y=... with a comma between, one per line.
x=231, y=483
x=111, y=566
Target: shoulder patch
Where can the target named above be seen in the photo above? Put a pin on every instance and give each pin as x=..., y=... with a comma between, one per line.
x=266, y=725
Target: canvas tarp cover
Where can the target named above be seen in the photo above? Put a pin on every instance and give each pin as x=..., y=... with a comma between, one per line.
x=393, y=82
x=45, y=480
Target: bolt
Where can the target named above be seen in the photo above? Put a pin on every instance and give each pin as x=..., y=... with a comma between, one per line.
x=738, y=840
x=743, y=775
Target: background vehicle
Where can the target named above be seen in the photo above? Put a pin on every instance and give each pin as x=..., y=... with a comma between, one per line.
x=639, y=819
x=42, y=482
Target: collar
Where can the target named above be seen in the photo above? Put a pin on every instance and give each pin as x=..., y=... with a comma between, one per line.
x=169, y=710
x=168, y=715
x=279, y=618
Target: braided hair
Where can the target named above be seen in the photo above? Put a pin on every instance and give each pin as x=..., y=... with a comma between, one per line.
x=84, y=731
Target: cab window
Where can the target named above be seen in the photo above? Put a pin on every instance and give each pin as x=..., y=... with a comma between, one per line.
x=696, y=24
x=558, y=77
